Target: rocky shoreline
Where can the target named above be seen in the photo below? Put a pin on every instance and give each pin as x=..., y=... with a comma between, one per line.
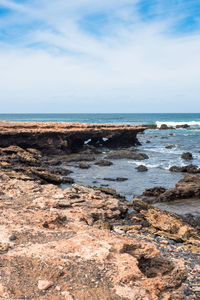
x=83, y=242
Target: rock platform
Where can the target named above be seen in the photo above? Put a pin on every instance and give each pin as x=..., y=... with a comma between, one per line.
x=60, y=138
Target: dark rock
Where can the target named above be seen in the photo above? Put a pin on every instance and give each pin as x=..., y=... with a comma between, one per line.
x=12, y=237
x=154, y=192
x=164, y=126
x=68, y=180
x=148, y=142
x=141, y=168
x=83, y=165
x=193, y=169
x=182, y=126
x=169, y=146
x=186, y=188
x=81, y=157
x=115, y=179
x=128, y=155
x=104, y=163
x=61, y=171
x=187, y=156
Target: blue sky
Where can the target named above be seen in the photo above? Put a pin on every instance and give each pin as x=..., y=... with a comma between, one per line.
x=99, y=56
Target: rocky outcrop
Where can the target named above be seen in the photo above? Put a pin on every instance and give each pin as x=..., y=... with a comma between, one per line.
x=60, y=138
x=186, y=188
x=167, y=224
x=53, y=247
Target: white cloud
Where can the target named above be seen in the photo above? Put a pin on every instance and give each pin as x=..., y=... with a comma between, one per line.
x=134, y=66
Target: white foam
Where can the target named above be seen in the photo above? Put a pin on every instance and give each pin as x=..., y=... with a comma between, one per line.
x=173, y=124
x=137, y=163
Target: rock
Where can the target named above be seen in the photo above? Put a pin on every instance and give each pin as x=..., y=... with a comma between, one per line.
x=164, y=126
x=169, y=146
x=67, y=180
x=186, y=188
x=182, y=126
x=65, y=138
x=83, y=165
x=104, y=163
x=142, y=168
x=43, y=285
x=154, y=192
x=148, y=142
x=46, y=176
x=170, y=225
x=121, y=154
x=12, y=237
x=115, y=179
x=77, y=252
x=187, y=156
x=185, y=169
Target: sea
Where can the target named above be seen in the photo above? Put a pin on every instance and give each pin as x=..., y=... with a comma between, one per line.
x=153, y=143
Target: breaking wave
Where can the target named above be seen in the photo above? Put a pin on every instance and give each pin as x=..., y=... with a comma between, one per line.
x=173, y=124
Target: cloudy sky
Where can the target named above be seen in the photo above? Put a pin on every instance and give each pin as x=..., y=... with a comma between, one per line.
x=99, y=56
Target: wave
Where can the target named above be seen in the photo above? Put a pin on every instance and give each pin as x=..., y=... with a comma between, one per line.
x=173, y=124
x=137, y=163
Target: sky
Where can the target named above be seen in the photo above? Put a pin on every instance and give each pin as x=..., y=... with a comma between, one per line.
x=86, y=56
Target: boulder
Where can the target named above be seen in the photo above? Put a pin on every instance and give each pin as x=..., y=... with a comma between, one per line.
x=169, y=146
x=186, y=188
x=164, y=126
x=103, y=163
x=154, y=192
x=84, y=165
x=187, y=156
x=142, y=168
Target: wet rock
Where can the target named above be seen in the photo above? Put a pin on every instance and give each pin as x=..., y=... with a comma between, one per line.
x=148, y=142
x=169, y=146
x=115, y=179
x=80, y=157
x=164, y=126
x=187, y=156
x=186, y=188
x=104, y=163
x=61, y=171
x=154, y=192
x=142, y=168
x=128, y=155
x=182, y=126
x=67, y=180
x=193, y=169
x=83, y=165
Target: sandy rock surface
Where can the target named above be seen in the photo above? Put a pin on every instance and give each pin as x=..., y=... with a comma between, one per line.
x=60, y=251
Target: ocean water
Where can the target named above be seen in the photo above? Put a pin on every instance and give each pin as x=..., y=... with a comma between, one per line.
x=160, y=158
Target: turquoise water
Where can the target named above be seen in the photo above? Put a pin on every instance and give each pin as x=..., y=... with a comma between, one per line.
x=160, y=158
x=104, y=118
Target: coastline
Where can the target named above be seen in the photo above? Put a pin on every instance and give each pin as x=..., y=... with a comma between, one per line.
x=88, y=241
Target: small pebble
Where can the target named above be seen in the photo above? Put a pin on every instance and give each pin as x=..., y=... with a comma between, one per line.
x=44, y=284
x=12, y=237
